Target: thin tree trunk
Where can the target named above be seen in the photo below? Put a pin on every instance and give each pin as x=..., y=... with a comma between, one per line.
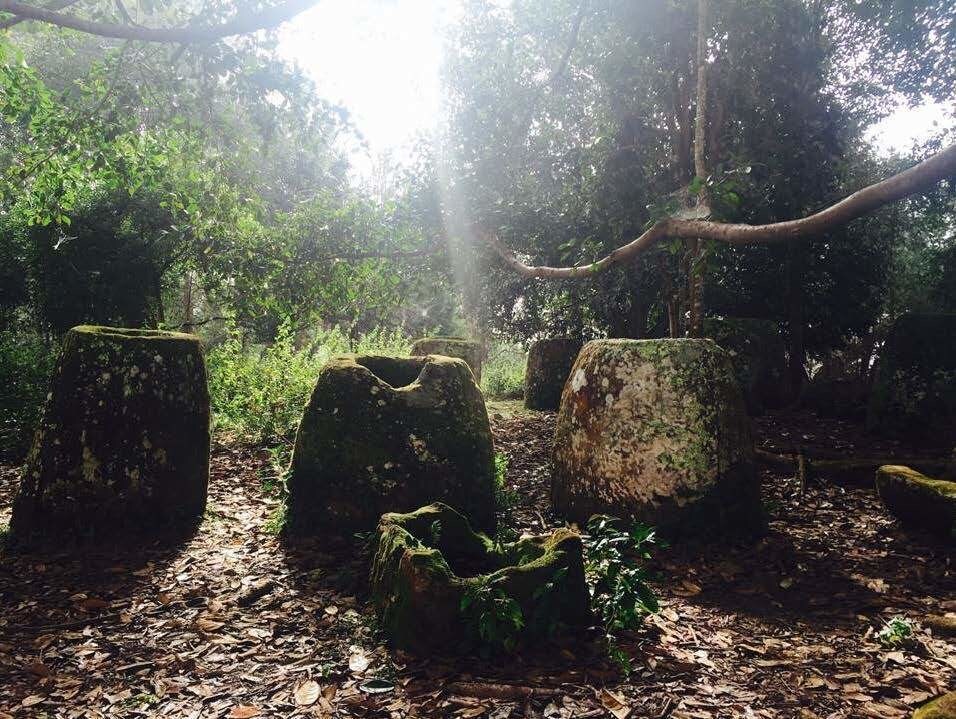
x=796, y=266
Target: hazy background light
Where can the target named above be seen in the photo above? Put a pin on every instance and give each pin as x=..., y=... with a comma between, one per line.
x=381, y=59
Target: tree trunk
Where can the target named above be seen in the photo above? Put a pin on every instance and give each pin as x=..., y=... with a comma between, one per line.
x=796, y=267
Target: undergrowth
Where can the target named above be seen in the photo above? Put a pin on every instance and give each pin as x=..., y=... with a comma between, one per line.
x=615, y=555
x=502, y=372
x=258, y=392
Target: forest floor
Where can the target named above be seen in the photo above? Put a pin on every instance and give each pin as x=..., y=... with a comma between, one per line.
x=234, y=623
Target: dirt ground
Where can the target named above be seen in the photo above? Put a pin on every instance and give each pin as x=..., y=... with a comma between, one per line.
x=234, y=623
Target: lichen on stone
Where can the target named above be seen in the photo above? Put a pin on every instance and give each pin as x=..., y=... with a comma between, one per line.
x=384, y=434
x=673, y=446
x=121, y=449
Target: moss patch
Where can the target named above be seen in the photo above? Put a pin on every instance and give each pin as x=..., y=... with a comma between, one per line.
x=918, y=501
x=387, y=434
x=549, y=364
x=428, y=559
x=459, y=347
x=657, y=430
x=123, y=445
x=942, y=708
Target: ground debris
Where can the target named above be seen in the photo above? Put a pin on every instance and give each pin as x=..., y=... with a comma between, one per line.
x=233, y=623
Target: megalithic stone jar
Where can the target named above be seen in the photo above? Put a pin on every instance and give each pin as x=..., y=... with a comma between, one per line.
x=656, y=430
x=123, y=444
x=390, y=434
x=459, y=347
x=549, y=364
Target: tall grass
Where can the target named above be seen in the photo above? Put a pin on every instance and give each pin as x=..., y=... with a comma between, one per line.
x=258, y=392
x=502, y=373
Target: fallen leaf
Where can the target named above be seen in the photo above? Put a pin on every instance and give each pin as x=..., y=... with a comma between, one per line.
x=614, y=703
x=307, y=693
x=244, y=711
x=32, y=700
x=358, y=662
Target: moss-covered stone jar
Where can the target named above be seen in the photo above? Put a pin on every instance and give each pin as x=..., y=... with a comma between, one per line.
x=429, y=560
x=549, y=364
x=123, y=443
x=942, y=707
x=918, y=501
x=383, y=434
x=915, y=386
x=464, y=349
x=758, y=356
x=656, y=430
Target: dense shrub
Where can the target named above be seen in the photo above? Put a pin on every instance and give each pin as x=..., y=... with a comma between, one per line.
x=26, y=361
x=502, y=374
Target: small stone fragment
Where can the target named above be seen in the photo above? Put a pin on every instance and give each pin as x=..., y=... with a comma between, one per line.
x=943, y=707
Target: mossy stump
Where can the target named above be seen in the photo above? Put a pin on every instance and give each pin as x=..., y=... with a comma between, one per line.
x=918, y=501
x=758, y=356
x=123, y=444
x=548, y=367
x=943, y=707
x=656, y=430
x=915, y=387
x=464, y=349
x=427, y=560
x=383, y=434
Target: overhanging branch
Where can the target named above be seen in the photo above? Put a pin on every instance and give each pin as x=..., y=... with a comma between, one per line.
x=909, y=182
x=268, y=18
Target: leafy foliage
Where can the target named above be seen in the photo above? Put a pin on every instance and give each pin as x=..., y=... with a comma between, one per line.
x=26, y=361
x=617, y=580
x=492, y=616
x=896, y=633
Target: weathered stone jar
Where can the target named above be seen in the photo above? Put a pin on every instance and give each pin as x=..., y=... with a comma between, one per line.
x=464, y=349
x=385, y=434
x=123, y=444
x=548, y=367
x=656, y=430
x=427, y=560
x=915, y=387
x=757, y=355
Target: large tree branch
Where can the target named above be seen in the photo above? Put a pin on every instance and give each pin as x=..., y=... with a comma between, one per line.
x=240, y=25
x=916, y=179
x=56, y=5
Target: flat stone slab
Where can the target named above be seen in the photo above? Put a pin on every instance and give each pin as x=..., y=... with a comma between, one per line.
x=123, y=444
x=383, y=434
x=656, y=430
x=464, y=349
x=428, y=560
x=918, y=501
